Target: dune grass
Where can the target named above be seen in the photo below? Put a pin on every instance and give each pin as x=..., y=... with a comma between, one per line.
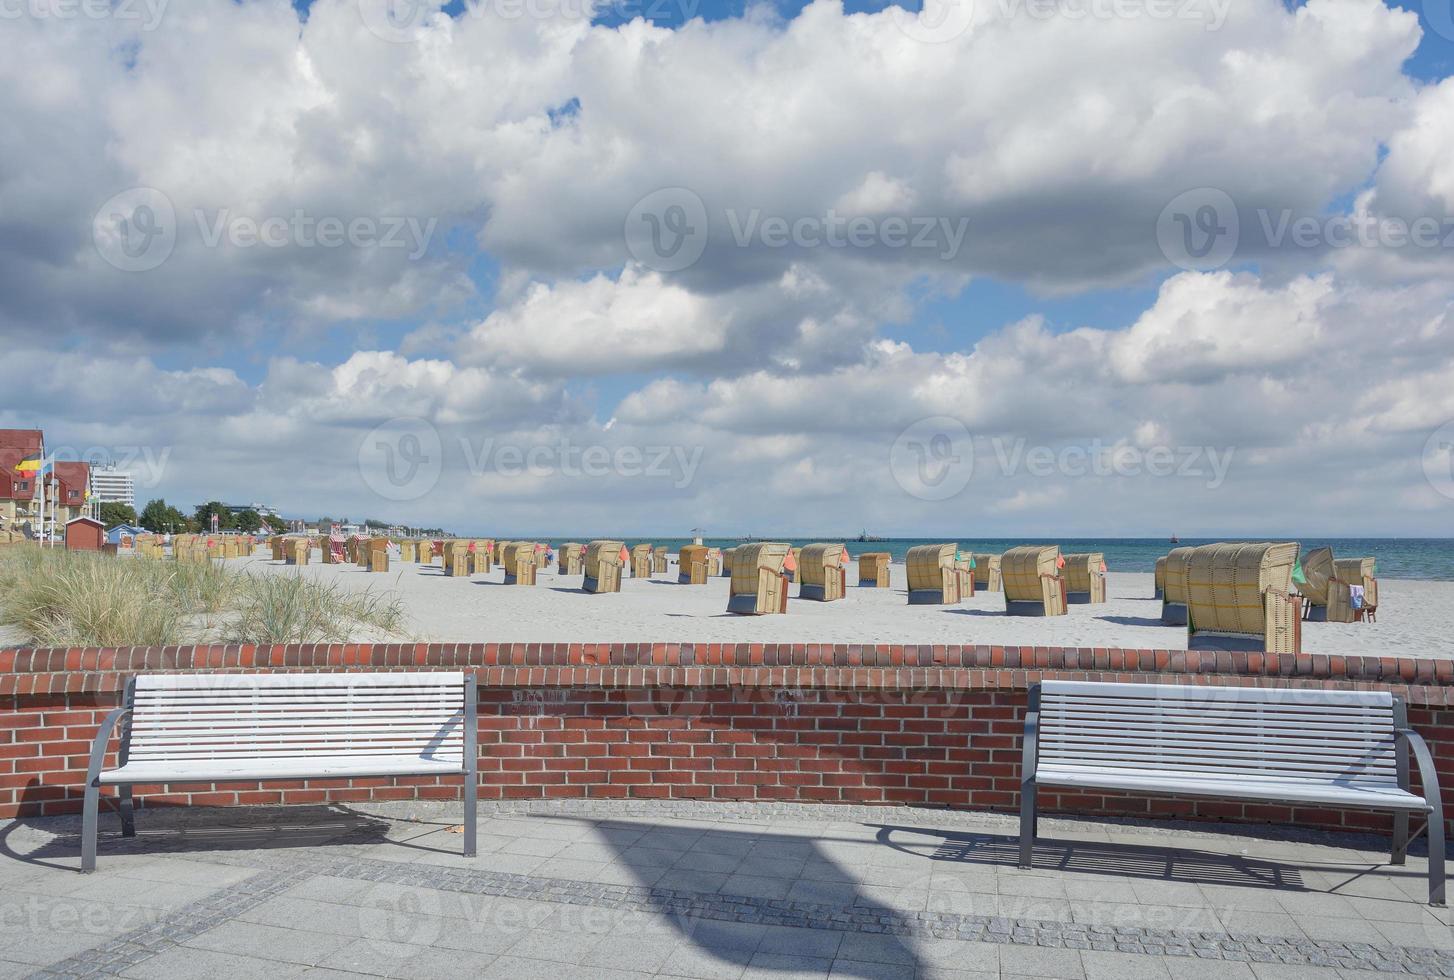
x=59, y=598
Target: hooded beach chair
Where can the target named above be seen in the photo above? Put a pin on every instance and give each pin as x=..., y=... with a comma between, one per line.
x=714, y=562
x=482, y=556
x=727, y=554
x=378, y=554
x=1173, y=588
x=1360, y=572
x=964, y=565
x=759, y=579
x=642, y=558
x=658, y=559
x=457, y=560
x=1032, y=582
x=692, y=565
x=873, y=569
x=1085, y=578
x=1239, y=597
x=822, y=574
x=572, y=558
x=520, y=563
x=933, y=574
x=1158, y=579
x=602, y=566
x=987, y=572
x=1325, y=598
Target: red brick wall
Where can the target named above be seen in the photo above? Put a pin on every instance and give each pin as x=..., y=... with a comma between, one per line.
x=931, y=726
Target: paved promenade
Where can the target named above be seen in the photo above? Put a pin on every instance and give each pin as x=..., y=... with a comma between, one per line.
x=631, y=891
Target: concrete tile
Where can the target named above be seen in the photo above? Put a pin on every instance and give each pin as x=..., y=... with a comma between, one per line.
x=781, y=966
x=555, y=946
x=519, y=968
x=876, y=949
x=846, y=969
x=1193, y=968
x=755, y=886
x=800, y=942
x=704, y=964
x=635, y=953
x=1035, y=961
x=1337, y=929
x=1101, y=965
x=186, y=963
x=270, y=942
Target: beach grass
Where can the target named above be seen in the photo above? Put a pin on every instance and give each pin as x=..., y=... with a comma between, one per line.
x=60, y=598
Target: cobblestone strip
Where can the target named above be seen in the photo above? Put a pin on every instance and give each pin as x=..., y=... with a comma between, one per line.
x=175, y=927
x=1239, y=947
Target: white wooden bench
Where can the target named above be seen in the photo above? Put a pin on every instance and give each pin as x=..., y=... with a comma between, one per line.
x=208, y=728
x=1301, y=747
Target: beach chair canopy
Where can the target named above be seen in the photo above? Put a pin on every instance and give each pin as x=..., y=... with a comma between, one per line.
x=925, y=564
x=1021, y=568
x=1226, y=585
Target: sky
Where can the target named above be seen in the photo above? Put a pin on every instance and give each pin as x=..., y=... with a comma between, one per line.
x=987, y=267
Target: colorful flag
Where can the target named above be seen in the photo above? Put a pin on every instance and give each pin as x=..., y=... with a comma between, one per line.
x=29, y=464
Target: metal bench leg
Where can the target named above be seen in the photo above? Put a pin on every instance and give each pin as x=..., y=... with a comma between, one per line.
x=1027, y=822
x=1400, y=837
x=128, y=812
x=88, y=828
x=1436, y=858
x=470, y=792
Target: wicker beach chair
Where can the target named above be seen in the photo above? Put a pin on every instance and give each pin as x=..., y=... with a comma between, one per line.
x=1159, y=579
x=1085, y=582
x=482, y=559
x=378, y=554
x=1032, y=582
x=572, y=558
x=692, y=564
x=821, y=572
x=457, y=560
x=1173, y=587
x=964, y=565
x=933, y=576
x=641, y=561
x=275, y=543
x=759, y=583
x=1360, y=571
x=727, y=554
x=519, y=563
x=714, y=562
x=1239, y=597
x=873, y=569
x=602, y=566
x=658, y=559
x=299, y=554
x=987, y=572
x=1326, y=599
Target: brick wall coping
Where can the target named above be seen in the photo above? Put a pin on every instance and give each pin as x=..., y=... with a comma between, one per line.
x=25, y=671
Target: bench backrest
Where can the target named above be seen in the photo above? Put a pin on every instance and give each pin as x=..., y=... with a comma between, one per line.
x=1320, y=736
x=192, y=717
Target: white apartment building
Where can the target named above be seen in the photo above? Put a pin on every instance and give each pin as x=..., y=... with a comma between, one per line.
x=112, y=486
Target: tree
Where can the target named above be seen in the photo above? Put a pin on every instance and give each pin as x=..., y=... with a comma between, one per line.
x=248, y=521
x=276, y=524
x=160, y=518
x=203, y=516
x=112, y=514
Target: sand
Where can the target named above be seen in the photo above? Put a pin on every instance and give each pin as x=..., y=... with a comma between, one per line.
x=1412, y=616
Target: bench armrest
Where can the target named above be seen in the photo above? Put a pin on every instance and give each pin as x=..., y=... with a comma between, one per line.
x=1428, y=775
x=103, y=738
x=1031, y=749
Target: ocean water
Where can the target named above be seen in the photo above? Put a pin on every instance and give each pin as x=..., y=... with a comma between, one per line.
x=1417, y=558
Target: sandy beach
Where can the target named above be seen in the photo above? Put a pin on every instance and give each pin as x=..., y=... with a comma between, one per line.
x=484, y=609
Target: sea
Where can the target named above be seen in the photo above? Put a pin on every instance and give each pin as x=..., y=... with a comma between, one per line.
x=1407, y=558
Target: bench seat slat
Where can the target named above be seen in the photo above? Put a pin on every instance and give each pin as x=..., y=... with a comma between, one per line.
x=1279, y=695
x=304, y=767
x=1200, y=783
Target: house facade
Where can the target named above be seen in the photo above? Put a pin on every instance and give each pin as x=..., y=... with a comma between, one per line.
x=18, y=490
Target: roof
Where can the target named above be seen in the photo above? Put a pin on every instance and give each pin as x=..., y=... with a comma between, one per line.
x=8, y=477
x=86, y=520
x=26, y=440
